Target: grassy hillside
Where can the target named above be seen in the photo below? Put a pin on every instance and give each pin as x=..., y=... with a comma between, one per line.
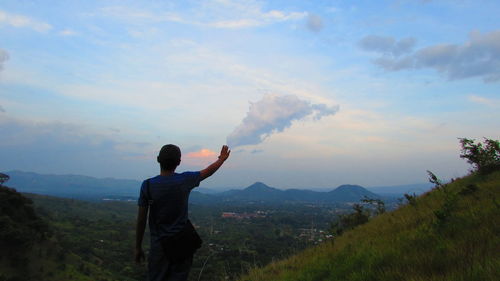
x=450, y=233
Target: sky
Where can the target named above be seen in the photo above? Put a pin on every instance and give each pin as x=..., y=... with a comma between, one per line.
x=307, y=94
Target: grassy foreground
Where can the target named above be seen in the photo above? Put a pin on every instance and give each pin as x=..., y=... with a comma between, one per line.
x=450, y=233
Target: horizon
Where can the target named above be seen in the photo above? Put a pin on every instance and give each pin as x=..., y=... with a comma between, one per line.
x=228, y=188
x=306, y=94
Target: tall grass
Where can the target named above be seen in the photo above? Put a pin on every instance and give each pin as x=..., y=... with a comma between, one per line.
x=450, y=233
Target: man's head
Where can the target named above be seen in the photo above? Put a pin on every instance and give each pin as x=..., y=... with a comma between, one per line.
x=169, y=157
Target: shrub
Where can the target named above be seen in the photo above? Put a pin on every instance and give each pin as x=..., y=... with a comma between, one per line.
x=377, y=203
x=434, y=179
x=484, y=157
x=411, y=198
x=3, y=179
x=350, y=221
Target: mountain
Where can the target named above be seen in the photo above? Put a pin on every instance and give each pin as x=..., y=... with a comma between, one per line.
x=449, y=233
x=261, y=192
x=89, y=188
x=350, y=193
x=207, y=190
x=73, y=186
x=255, y=192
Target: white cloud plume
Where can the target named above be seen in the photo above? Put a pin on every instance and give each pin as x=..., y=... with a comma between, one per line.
x=274, y=114
x=23, y=21
x=478, y=57
x=4, y=56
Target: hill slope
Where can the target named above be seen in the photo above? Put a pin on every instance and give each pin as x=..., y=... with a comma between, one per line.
x=30, y=251
x=451, y=233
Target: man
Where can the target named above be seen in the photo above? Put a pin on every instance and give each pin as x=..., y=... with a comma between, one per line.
x=170, y=193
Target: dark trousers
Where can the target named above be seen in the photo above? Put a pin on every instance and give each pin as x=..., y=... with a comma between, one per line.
x=162, y=269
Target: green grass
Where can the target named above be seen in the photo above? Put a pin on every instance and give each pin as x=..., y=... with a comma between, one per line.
x=411, y=243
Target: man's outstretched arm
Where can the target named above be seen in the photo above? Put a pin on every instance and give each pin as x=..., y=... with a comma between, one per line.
x=212, y=168
x=139, y=233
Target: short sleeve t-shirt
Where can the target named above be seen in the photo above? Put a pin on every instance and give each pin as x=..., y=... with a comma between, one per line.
x=170, y=194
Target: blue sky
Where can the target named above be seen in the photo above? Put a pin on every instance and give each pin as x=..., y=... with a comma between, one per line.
x=309, y=94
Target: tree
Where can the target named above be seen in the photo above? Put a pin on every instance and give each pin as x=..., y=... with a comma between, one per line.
x=379, y=205
x=350, y=221
x=484, y=157
x=3, y=178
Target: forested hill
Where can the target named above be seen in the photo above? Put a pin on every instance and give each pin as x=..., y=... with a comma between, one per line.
x=449, y=233
x=31, y=250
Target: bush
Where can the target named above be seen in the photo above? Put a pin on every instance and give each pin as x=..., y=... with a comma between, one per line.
x=411, y=198
x=350, y=221
x=434, y=179
x=377, y=203
x=3, y=178
x=20, y=227
x=484, y=157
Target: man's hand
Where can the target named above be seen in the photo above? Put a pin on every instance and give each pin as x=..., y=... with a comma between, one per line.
x=139, y=256
x=224, y=153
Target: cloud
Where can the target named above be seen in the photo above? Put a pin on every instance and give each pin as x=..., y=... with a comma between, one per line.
x=23, y=21
x=233, y=15
x=485, y=101
x=2, y=110
x=387, y=45
x=61, y=147
x=202, y=153
x=67, y=32
x=55, y=147
x=235, y=24
x=274, y=114
x=393, y=64
x=477, y=57
x=321, y=110
x=199, y=158
x=215, y=14
x=314, y=23
x=4, y=56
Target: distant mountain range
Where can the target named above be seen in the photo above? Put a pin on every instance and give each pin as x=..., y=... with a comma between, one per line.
x=89, y=188
x=72, y=186
x=260, y=192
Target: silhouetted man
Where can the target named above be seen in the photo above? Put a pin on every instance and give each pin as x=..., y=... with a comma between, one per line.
x=168, y=195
